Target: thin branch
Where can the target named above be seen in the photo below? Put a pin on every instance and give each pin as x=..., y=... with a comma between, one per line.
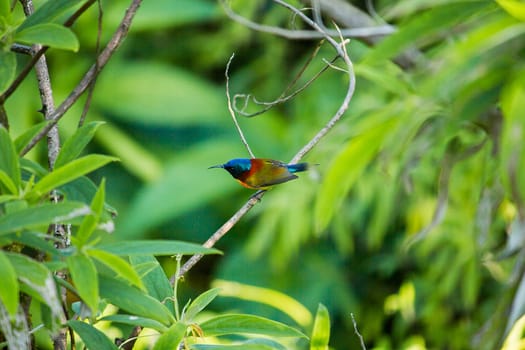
x=356, y=331
x=91, y=74
x=363, y=32
x=97, y=50
x=27, y=68
x=283, y=97
x=227, y=226
x=232, y=113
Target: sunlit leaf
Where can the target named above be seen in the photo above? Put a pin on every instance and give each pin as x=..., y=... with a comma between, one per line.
x=76, y=143
x=136, y=321
x=321, y=331
x=200, y=303
x=9, y=291
x=9, y=158
x=172, y=337
x=155, y=247
x=120, y=266
x=48, y=12
x=247, y=324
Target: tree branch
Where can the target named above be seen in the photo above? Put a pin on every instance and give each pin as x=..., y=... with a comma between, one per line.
x=363, y=32
x=341, y=51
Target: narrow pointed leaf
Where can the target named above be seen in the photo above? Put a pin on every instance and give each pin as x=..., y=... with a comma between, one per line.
x=9, y=290
x=93, y=338
x=136, y=321
x=70, y=172
x=120, y=266
x=172, y=338
x=9, y=158
x=76, y=143
x=321, y=330
x=200, y=303
x=48, y=12
x=247, y=324
x=90, y=222
x=84, y=276
x=133, y=300
x=41, y=215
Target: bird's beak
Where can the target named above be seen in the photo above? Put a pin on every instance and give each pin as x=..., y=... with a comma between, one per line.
x=217, y=166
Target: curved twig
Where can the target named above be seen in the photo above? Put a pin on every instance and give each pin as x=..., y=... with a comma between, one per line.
x=230, y=109
x=341, y=51
x=363, y=32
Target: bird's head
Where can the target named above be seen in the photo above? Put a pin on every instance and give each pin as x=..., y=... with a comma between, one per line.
x=236, y=167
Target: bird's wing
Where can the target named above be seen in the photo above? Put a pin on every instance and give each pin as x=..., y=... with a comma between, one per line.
x=274, y=172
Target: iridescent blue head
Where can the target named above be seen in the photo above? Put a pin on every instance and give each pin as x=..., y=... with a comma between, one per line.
x=236, y=167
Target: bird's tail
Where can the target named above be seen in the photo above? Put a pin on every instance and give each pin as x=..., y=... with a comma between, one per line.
x=295, y=168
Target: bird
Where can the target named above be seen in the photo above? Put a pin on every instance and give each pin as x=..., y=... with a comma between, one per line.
x=261, y=173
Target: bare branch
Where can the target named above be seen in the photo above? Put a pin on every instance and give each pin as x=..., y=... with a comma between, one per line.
x=97, y=50
x=92, y=73
x=363, y=32
x=341, y=51
x=282, y=98
x=232, y=113
x=356, y=331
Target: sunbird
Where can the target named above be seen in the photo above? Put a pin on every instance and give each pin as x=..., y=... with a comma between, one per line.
x=261, y=173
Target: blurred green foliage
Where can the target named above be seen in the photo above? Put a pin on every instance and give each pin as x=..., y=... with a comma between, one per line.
x=411, y=219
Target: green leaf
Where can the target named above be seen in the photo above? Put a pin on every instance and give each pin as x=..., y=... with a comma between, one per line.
x=273, y=298
x=247, y=324
x=90, y=221
x=120, y=266
x=9, y=290
x=49, y=34
x=199, y=304
x=321, y=330
x=441, y=17
x=76, y=143
x=5, y=9
x=345, y=170
x=136, y=321
x=93, y=338
x=515, y=8
x=39, y=241
x=7, y=183
x=7, y=69
x=154, y=278
x=48, y=12
x=23, y=140
x=155, y=247
x=84, y=276
x=158, y=95
x=36, y=280
x=70, y=172
x=133, y=300
x=9, y=158
x=172, y=338
x=41, y=215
